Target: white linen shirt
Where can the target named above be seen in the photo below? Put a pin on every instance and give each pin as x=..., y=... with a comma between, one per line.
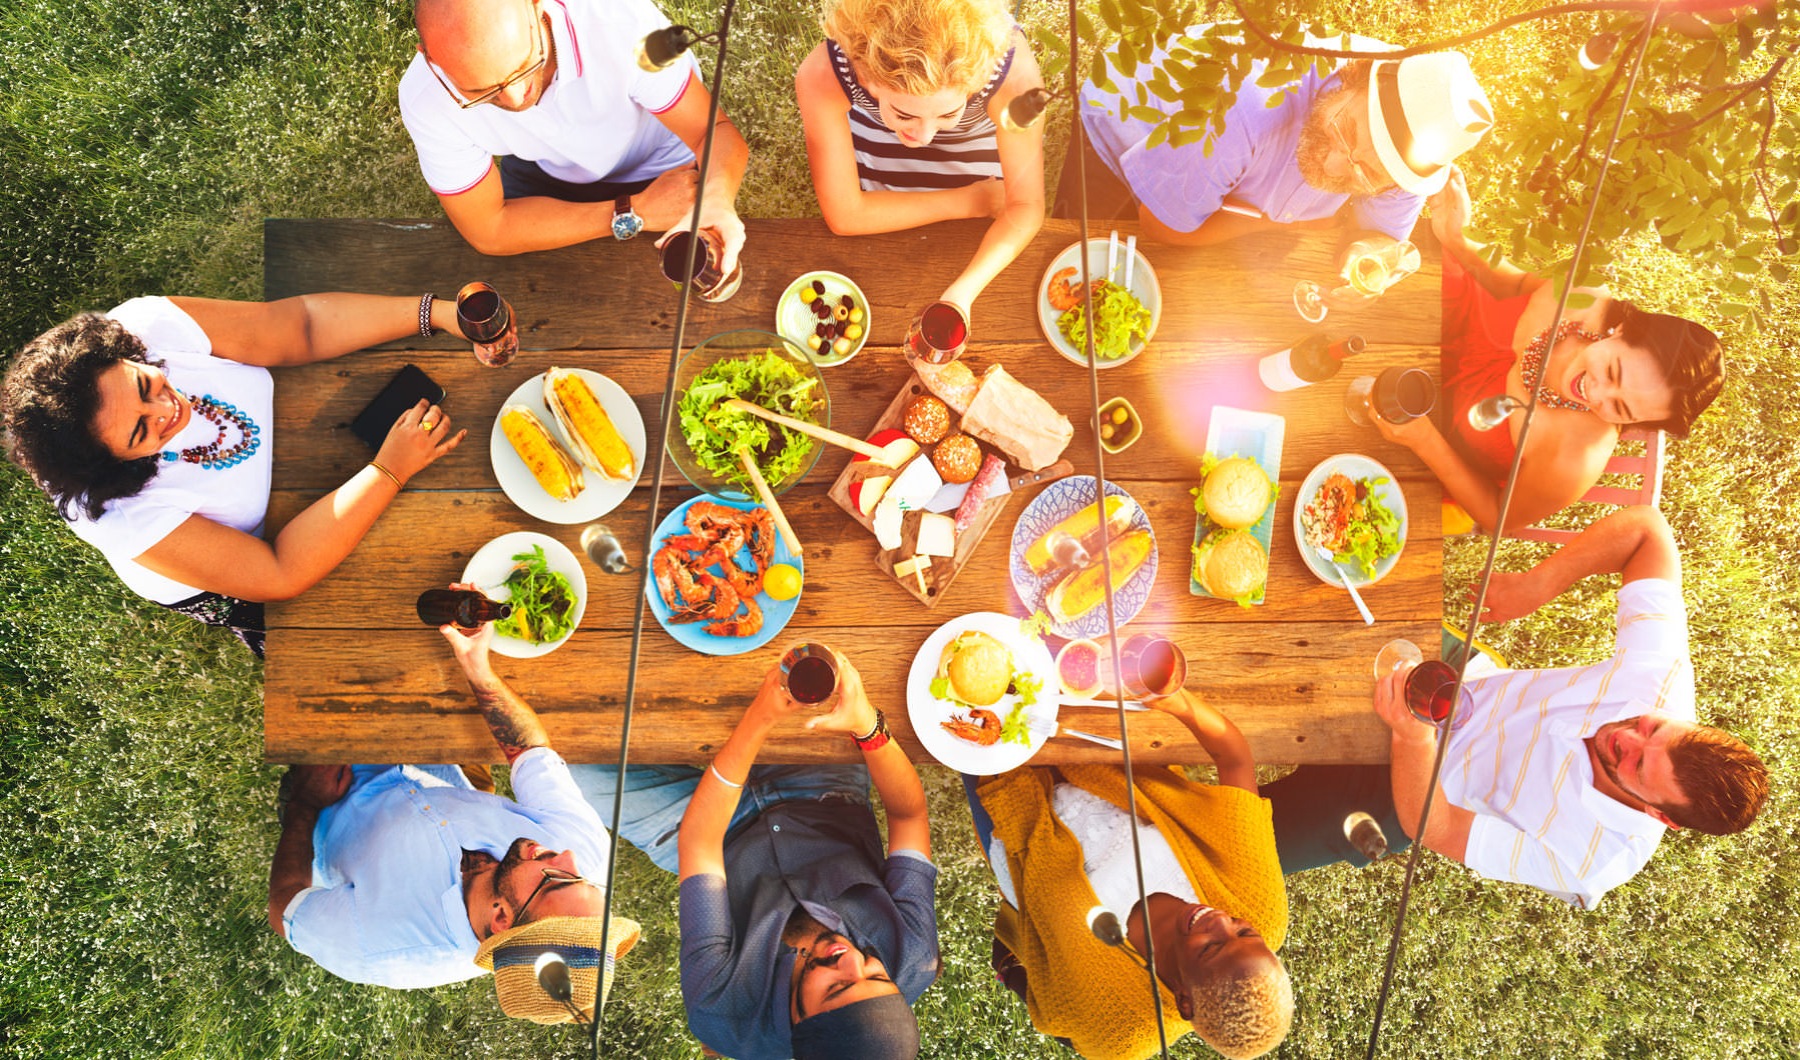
x=597, y=120
x=386, y=905
x=1517, y=760
x=1104, y=832
x=236, y=496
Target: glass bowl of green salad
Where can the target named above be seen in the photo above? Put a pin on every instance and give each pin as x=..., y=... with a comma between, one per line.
x=764, y=369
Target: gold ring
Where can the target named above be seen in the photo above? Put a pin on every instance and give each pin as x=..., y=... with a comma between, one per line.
x=426, y=425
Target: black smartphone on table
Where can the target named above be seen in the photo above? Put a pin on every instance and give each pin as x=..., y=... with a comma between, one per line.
x=409, y=385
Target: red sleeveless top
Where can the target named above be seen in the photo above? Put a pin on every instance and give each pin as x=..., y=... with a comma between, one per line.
x=1476, y=355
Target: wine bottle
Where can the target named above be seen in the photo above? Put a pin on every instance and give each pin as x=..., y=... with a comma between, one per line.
x=461, y=607
x=1313, y=359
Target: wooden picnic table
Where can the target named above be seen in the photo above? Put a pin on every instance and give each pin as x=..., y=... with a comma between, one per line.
x=353, y=676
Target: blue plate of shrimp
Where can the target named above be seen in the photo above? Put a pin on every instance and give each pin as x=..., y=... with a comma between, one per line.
x=708, y=557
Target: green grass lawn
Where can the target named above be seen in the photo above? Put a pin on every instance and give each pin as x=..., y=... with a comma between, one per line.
x=145, y=144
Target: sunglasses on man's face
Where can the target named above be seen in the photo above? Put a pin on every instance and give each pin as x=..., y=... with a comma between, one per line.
x=553, y=878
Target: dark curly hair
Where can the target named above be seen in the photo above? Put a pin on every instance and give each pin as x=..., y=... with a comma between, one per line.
x=48, y=404
x=1690, y=355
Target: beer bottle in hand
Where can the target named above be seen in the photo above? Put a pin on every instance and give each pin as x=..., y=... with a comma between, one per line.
x=460, y=607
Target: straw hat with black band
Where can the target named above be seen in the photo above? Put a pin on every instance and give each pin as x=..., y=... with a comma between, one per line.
x=513, y=955
x=1424, y=112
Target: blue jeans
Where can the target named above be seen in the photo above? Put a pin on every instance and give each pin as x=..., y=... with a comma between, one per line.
x=656, y=797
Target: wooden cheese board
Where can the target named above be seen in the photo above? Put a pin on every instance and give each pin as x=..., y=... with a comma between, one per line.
x=931, y=581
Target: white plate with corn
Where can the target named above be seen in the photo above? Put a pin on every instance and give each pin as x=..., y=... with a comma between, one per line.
x=568, y=445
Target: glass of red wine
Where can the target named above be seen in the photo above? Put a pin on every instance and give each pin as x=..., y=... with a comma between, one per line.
x=809, y=675
x=939, y=334
x=487, y=320
x=1428, y=691
x=1153, y=667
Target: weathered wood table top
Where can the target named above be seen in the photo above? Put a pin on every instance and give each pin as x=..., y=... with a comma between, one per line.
x=352, y=676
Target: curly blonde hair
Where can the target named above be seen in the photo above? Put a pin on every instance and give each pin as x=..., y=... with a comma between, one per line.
x=1244, y=1017
x=920, y=47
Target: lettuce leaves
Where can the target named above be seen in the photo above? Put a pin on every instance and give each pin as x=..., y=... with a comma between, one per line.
x=1122, y=318
x=715, y=434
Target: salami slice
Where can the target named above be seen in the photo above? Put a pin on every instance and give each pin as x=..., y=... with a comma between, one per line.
x=993, y=471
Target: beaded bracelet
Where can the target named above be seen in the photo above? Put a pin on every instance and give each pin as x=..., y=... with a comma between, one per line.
x=877, y=737
x=425, y=328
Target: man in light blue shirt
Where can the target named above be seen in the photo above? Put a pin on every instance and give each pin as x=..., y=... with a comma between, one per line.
x=396, y=875
x=1377, y=135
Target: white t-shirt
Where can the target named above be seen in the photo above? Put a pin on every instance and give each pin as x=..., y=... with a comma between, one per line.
x=236, y=496
x=1517, y=760
x=597, y=120
x=1104, y=832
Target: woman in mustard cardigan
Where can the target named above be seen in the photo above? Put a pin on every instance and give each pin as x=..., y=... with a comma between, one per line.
x=1217, y=909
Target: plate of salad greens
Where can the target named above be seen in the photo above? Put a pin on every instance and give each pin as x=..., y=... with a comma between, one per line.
x=1353, y=506
x=764, y=369
x=1128, y=312
x=543, y=582
x=1025, y=714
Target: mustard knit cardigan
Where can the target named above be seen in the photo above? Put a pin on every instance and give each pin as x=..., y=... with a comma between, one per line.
x=1077, y=987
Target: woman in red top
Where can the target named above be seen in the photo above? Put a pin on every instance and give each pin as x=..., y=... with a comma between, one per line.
x=1611, y=365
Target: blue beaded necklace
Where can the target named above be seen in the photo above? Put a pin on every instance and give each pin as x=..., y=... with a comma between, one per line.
x=215, y=456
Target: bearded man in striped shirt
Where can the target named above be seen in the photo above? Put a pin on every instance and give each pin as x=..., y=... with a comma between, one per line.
x=1566, y=779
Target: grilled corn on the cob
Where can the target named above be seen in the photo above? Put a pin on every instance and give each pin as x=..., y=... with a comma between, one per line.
x=590, y=431
x=549, y=463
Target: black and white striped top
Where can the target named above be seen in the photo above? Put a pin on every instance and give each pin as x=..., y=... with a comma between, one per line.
x=954, y=158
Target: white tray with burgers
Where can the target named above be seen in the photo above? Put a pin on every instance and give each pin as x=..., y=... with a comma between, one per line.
x=1235, y=502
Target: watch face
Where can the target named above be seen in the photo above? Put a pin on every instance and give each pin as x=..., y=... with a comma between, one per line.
x=626, y=225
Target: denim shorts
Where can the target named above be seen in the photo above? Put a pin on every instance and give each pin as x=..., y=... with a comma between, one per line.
x=656, y=797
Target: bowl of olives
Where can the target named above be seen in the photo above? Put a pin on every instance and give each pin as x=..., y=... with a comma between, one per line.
x=826, y=313
x=1120, y=427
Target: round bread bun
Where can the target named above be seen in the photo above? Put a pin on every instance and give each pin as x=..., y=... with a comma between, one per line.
x=927, y=419
x=957, y=458
x=1236, y=493
x=1231, y=564
x=979, y=668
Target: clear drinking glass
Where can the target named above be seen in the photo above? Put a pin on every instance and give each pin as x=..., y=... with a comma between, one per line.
x=1396, y=655
x=809, y=675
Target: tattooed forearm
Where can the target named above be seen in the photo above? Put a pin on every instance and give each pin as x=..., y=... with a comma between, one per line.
x=514, y=724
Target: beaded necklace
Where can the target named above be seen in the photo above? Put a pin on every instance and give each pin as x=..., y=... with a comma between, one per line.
x=214, y=456
x=1531, y=365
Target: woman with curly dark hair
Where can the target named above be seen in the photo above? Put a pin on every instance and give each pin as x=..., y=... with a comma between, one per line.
x=1609, y=365
x=148, y=426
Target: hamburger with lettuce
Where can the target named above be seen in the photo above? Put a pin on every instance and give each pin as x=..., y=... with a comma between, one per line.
x=1231, y=564
x=1235, y=494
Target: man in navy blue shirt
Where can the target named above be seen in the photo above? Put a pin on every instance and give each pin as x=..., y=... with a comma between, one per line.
x=800, y=936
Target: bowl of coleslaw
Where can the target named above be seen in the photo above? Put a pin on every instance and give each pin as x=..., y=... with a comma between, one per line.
x=1352, y=505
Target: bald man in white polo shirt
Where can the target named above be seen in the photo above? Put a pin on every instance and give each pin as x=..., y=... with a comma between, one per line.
x=1566, y=779
x=537, y=128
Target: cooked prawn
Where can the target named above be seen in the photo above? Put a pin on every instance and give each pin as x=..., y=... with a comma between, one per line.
x=982, y=728
x=1064, y=294
x=744, y=625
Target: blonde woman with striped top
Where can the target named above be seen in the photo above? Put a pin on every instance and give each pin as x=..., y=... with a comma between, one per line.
x=901, y=104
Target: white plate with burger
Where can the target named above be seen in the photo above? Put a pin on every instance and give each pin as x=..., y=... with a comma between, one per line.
x=982, y=694
x=606, y=477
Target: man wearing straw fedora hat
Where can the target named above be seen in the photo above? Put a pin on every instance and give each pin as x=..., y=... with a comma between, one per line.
x=406, y=876
x=1378, y=135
